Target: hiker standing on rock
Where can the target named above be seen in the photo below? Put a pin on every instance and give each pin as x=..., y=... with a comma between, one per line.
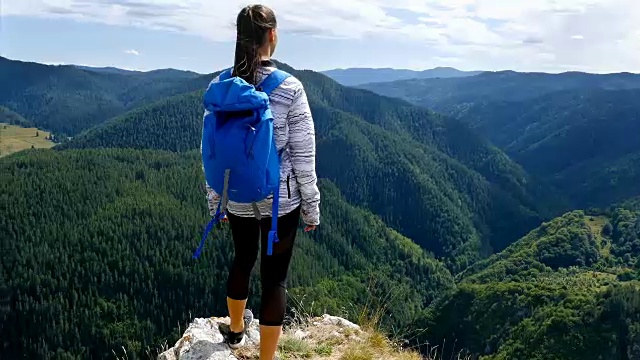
x=258, y=146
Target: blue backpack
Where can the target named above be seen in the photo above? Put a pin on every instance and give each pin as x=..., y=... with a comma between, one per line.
x=239, y=152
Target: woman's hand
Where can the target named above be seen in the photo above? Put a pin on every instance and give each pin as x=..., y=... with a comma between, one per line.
x=309, y=228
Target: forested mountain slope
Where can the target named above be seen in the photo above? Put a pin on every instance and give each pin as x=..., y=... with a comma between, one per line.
x=160, y=73
x=631, y=204
x=449, y=95
x=68, y=99
x=433, y=180
x=361, y=76
x=565, y=291
x=583, y=140
x=575, y=131
x=173, y=124
x=10, y=117
x=97, y=249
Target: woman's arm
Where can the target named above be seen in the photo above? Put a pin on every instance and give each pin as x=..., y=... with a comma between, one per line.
x=302, y=149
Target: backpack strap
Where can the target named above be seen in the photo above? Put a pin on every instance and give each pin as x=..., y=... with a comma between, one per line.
x=225, y=75
x=216, y=220
x=225, y=191
x=256, y=211
x=273, y=233
x=272, y=81
x=219, y=215
x=268, y=85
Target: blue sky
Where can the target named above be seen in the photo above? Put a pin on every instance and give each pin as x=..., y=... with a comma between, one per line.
x=548, y=35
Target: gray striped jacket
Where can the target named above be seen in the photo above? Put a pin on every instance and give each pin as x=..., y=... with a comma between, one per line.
x=294, y=132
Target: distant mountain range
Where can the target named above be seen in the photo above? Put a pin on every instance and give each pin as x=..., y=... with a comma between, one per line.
x=360, y=76
x=577, y=130
x=159, y=72
x=67, y=99
x=448, y=95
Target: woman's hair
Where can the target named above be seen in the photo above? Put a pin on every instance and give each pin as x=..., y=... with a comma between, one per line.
x=253, y=23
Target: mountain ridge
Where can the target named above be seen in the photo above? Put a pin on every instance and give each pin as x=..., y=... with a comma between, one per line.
x=360, y=76
x=111, y=69
x=446, y=95
x=65, y=99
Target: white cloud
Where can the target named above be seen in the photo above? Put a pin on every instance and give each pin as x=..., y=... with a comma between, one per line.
x=537, y=34
x=132, y=52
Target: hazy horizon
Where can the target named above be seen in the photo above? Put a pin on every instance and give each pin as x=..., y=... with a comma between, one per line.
x=316, y=70
x=594, y=36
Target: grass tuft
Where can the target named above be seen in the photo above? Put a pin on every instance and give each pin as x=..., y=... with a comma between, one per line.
x=378, y=341
x=357, y=352
x=293, y=348
x=324, y=349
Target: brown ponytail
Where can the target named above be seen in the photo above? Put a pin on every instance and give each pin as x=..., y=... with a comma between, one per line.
x=253, y=23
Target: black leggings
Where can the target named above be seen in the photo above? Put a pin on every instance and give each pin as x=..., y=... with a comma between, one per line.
x=246, y=232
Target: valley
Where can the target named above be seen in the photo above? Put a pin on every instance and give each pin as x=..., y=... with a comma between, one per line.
x=498, y=211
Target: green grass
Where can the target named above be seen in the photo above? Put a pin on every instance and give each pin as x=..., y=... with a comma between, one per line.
x=596, y=224
x=324, y=349
x=14, y=138
x=358, y=353
x=293, y=348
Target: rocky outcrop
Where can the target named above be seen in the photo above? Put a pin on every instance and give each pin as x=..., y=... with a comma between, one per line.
x=325, y=337
x=203, y=340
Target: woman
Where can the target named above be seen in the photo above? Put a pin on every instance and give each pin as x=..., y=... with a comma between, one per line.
x=299, y=195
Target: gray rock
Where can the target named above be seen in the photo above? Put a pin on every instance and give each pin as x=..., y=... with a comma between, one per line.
x=205, y=349
x=337, y=321
x=167, y=355
x=203, y=341
x=253, y=333
x=301, y=334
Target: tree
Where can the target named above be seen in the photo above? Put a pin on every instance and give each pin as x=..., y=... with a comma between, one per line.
x=607, y=230
x=37, y=133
